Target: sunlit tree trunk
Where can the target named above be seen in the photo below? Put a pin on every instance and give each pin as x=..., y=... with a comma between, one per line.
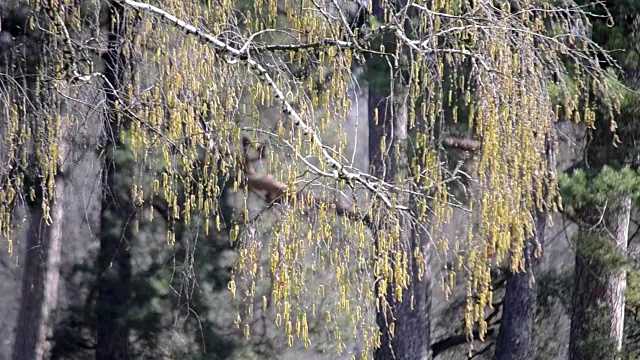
x=40, y=279
x=114, y=259
x=41, y=265
x=597, y=321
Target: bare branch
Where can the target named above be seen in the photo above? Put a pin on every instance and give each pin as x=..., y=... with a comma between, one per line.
x=449, y=342
x=462, y=143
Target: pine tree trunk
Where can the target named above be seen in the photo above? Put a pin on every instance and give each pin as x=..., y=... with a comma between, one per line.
x=515, y=339
x=40, y=279
x=41, y=276
x=114, y=259
x=411, y=340
x=597, y=320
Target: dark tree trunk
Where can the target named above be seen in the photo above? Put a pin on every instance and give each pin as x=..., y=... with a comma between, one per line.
x=597, y=321
x=411, y=340
x=515, y=339
x=40, y=279
x=413, y=325
x=41, y=276
x=114, y=259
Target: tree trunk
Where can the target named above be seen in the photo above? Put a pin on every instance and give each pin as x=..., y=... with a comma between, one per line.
x=40, y=279
x=413, y=325
x=41, y=276
x=597, y=321
x=114, y=259
x=411, y=338
x=515, y=339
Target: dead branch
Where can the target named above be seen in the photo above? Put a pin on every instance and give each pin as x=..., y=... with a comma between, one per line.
x=462, y=143
x=447, y=343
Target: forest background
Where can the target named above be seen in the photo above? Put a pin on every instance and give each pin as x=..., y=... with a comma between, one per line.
x=319, y=179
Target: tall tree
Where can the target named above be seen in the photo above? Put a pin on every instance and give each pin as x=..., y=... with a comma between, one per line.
x=37, y=169
x=253, y=64
x=600, y=196
x=598, y=305
x=406, y=312
x=118, y=212
x=41, y=277
x=515, y=338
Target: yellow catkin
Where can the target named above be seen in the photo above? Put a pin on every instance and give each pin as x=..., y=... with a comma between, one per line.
x=195, y=103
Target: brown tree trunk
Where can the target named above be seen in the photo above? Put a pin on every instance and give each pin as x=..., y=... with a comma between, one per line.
x=114, y=259
x=411, y=339
x=597, y=321
x=515, y=339
x=41, y=276
x=40, y=279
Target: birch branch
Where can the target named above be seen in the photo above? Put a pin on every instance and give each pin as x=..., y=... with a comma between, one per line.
x=339, y=170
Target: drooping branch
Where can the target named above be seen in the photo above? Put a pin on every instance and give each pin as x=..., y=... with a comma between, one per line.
x=339, y=171
x=324, y=43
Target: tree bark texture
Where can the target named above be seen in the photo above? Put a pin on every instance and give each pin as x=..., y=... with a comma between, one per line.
x=114, y=259
x=597, y=321
x=40, y=279
x=411, y=340
x=515, y=338
x=41, y=275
